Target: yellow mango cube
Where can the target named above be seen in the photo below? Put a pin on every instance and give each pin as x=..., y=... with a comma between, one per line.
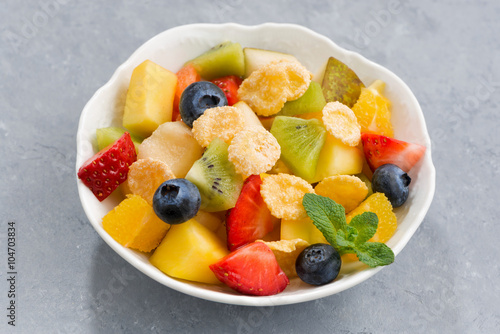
x=301, y=229
x=187, y=251
x=149, y=99
x=338, y=158
x=134, y=224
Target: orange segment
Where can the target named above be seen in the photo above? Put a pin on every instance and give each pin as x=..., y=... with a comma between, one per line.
x=346, y=190
x=387, y=222
x=372, y=110
x=134, y=224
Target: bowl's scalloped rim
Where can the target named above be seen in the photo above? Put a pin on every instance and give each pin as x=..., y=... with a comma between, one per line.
x=237, y=299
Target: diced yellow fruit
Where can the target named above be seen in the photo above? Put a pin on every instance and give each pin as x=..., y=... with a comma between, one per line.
x=372, y=110
x=267, y=122
x=210, y=220
x=286, y=253
x=134, y=224
x=338, y=158
x=301, y=229
x=174, y=144
x=346, y=190
x=149, y=99
x=280, y=167
x=251, y=119
x=275, y=234
x=311, y=115
x=381, y=206
x=187, y=251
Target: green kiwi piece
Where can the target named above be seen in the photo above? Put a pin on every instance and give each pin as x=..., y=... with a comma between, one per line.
x=221, y=60
x=216, y=178
x=107, y=136
x=301, y=141
x=312, y=101
x=340, y=83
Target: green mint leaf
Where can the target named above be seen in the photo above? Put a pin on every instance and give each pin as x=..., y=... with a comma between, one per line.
x=374, y=254
x=324, y=211
x=366, y=225
x=344, y=246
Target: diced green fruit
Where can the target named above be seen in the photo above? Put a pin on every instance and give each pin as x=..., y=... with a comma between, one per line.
x=368, y=183
x=150, y=98
x=187, y=251
x=216, y=178
x=301, y=142
x=222, y=60
x=301, y=229
x=311, y=102
x=256, y=58
x=107, y=136
x=340, y=83
x=174, y=144
x=338, y=158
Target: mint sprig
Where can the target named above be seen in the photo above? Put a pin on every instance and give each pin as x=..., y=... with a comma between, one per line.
x=329, y=218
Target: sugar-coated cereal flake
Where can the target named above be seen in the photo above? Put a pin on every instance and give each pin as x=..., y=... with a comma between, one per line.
x=254, y=151
x=283, y=195
x=222, y=122
x=146, y=175
x=267, y=89
x=341, y=122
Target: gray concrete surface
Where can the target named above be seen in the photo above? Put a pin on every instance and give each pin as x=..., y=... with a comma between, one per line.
x=55, y=54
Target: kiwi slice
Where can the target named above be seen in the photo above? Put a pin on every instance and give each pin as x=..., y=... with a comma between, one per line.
x=340, y=83
x=216, y=178
x=221, y=60
x=301, y=141
x=312, y=101
x=107, y=136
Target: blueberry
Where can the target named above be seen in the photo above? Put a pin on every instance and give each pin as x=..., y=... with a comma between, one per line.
x=176, y=201
x=393, y=182
x=318, y=264
x=198, y=97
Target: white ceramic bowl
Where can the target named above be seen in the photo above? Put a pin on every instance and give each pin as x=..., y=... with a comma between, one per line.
x=171, y=49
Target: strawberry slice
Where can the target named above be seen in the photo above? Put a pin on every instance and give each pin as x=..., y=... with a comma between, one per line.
x=250, y=219
x=380, y=150
x=107, y=169
x=229, y=86
x=252, y=270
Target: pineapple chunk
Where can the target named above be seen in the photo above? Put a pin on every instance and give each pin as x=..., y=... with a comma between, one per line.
x=149, y=99
x=301, y=229
x=174, y=144
x=187, y=251
x=337, y=158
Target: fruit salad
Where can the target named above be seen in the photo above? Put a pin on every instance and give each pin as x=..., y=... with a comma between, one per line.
x=244, y=169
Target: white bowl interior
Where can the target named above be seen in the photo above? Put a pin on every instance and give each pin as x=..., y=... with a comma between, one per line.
x=171, y=49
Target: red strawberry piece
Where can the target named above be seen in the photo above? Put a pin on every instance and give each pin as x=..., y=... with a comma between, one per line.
x=229, y=86
x=251, y=270
x=250, y=219
x=380, y=150
x=106, y=170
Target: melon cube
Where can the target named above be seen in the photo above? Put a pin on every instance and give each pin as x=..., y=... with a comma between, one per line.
x=149, y=99
x=174, y=144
